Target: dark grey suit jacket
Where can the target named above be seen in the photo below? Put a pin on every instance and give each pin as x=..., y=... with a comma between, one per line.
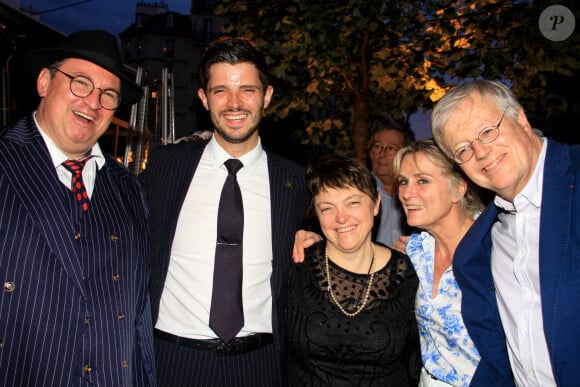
x=166, y=181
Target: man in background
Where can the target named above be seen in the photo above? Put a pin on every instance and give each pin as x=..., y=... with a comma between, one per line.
x=383, y=145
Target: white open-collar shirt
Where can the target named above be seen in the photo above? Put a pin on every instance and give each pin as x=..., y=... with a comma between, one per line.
x=515, y=264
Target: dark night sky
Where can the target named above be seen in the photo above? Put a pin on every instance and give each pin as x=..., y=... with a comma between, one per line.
x=115, y=16
x=112, y=15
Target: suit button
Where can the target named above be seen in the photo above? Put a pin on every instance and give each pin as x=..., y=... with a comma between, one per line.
x=87, y=319
x=9, y=287
x=1, y=344
x=87, y=369
x=121, y=316
x=77, y=236
x=114, y=237
x=125, y=364
x=116, y=277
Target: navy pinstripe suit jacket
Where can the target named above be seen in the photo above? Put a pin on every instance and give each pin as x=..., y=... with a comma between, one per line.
x=74, y=288
x=166, y=181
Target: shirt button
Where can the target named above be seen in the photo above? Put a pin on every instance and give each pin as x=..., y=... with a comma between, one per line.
x=87, y=369
x=9, y=287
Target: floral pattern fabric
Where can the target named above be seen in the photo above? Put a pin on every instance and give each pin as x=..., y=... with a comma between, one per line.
x=447, y=351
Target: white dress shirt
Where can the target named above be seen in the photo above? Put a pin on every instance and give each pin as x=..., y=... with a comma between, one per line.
x=515, y=262
x=64, y=175
x=186, y=298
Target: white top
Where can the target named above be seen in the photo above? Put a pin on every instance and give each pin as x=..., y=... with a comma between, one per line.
x=447, y=350
x=64, y=175
x=186, y=298
x=515, y=262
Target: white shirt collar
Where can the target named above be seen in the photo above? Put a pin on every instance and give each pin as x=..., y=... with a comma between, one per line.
x=58, y=156
x=532, y=192
x=250, y=159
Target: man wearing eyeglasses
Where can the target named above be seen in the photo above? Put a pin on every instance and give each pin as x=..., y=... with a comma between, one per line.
x=519, y=264
x=382, y=147
x=74, y=307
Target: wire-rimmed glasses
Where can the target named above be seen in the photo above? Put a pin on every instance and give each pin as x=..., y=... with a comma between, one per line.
x=379, y=149
x=485, y=136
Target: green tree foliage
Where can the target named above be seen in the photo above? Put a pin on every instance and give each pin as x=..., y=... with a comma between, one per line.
x=337, y=63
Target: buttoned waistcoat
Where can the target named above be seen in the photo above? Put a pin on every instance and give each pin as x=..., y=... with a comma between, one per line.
x=74, y=308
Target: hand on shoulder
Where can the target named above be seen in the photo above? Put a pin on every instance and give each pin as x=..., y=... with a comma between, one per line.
x=302, y=240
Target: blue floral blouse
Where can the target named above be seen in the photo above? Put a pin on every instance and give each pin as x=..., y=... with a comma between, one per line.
x=446, y=348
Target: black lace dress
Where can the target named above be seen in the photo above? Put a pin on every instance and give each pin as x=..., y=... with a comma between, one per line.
x=377, y=347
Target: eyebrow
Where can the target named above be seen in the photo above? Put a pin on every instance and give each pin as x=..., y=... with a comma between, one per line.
x=84, y=75
x=353, y=196
x=243, y=86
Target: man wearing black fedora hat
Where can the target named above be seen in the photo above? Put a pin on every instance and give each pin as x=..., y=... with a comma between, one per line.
x=74, y=309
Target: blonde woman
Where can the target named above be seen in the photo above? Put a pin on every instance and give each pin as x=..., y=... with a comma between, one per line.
x=441, y=204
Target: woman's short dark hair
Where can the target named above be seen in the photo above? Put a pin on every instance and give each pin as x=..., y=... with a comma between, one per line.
x=232, y=50
x=340, y=172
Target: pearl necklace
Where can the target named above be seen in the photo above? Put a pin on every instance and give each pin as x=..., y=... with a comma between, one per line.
x=367, y=293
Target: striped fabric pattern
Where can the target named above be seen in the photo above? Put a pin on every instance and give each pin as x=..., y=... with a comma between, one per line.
x=74, y=308
x=174, y=166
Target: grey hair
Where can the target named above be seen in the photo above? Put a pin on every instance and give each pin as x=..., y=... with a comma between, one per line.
x=503, y=97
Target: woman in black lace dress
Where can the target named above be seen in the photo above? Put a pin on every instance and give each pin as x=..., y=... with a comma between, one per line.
x=350, y=308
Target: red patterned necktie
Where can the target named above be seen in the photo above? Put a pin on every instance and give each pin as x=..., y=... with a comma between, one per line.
x=78, y=186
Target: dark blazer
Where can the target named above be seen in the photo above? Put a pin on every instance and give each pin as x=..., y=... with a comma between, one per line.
x=166, y=181
x=74, y=307
x=559, y=276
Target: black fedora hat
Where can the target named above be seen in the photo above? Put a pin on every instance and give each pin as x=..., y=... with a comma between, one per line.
x=97, y=46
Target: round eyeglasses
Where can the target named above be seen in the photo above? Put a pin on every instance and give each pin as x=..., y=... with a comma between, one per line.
x=485, y=136
x=82, y=87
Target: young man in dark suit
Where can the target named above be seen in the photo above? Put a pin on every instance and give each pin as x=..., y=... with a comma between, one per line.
x=183, y=184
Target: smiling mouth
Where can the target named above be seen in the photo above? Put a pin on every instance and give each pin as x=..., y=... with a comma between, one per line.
x=413, y=208
x=84, y=116
x=493, y=164
x=345, y=229
x=235, y=117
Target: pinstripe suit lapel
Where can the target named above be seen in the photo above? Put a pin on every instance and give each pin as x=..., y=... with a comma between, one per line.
x=281, y=186
x=26, y=164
